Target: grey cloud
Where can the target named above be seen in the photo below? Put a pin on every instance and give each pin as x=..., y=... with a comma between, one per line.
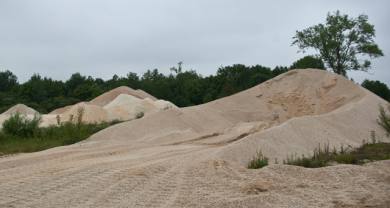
x=57, y=38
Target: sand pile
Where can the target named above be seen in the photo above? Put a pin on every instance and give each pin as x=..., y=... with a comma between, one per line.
x=89, y=113
x=21, y=109
x=127, y=107
x=197, y=156
x=109, y=96
x=122, y=103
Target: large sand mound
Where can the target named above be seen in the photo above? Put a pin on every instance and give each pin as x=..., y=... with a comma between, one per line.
x=21, y=109
x=196, y=156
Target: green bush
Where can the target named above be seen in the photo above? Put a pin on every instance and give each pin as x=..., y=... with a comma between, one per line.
x=320, y=158
x=20, y=125
x=384, y=119
x=47, y=137
x=258, y=161
x=323, y=157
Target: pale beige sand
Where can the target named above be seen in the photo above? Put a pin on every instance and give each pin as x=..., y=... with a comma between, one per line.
x=122, y=103
x=109, y=96
x=91, y=113
x=22, y=109
x=126, y=107
x=196, y=156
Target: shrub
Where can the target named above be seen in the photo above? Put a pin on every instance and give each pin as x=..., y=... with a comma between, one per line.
x=384, y=119
x=258, y=161
x=20, y=125
x=323, y=157
x=47, y=137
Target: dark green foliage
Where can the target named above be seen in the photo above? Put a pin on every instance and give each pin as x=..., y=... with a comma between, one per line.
x=378, y=88
x=342, y=42
x=384, y=119
x=308, y=62
x=48, y=137
x=323, y=156
x=258, y=161
x=279, y=70
x=7, y=81
x=19, y=125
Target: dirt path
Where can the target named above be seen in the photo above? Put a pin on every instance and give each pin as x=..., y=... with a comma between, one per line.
x=179, y=176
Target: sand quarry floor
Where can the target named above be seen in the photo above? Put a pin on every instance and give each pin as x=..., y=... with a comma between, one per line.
x=197, y=156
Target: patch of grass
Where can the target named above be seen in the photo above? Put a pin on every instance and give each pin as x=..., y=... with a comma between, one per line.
x=47, y=137
x=367, y=152
x=258, y=161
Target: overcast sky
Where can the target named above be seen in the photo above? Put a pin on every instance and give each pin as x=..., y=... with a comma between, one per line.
x=56, y=38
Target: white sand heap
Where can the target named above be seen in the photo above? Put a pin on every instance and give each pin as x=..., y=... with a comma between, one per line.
x=127, y=107
x=122, y=103
x=21, y=109
x=89, y=113
x=109, y=96
x=197, y=156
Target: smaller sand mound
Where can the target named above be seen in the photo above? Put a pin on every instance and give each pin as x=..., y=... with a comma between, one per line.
x=109, y=96
x=22, y=109
x=127, y=107
x=90, y=113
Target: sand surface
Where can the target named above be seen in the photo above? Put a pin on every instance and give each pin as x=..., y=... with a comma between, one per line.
x=197, y=156
x=107, y=97
x=21, y=109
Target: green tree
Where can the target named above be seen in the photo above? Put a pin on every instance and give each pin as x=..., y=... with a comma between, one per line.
x=342, y=42
x=279, y=70
x=378, y=88
x=7, y=80
x=308, y=62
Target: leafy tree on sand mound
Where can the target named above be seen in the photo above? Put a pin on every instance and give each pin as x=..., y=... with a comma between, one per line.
x=343, y=43
x=308, y=62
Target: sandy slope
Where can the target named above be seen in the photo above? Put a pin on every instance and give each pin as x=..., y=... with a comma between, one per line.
x=196, y=157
